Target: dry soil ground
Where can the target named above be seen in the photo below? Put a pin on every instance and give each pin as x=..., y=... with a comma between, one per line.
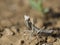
x=13, y=30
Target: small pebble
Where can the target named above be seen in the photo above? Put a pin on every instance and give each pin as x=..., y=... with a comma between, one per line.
x=50, y=39
x=46, y=44
x=8, y=31
x=43, y=44
x=13, y=28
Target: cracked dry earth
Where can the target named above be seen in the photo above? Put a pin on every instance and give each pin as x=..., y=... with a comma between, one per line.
x=13, y=30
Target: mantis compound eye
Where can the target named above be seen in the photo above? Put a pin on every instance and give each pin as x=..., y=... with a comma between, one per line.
x=26, y=17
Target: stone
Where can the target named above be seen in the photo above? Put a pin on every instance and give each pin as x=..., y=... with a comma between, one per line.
x=50, y=39
x=8, y=31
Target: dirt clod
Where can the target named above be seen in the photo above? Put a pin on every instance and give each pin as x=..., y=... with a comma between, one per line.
x=51, y=39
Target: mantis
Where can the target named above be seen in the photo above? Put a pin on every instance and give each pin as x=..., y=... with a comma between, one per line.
x=39, y=6
x=35, y=29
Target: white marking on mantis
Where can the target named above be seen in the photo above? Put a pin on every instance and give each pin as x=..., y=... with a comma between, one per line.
x=26, y=17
